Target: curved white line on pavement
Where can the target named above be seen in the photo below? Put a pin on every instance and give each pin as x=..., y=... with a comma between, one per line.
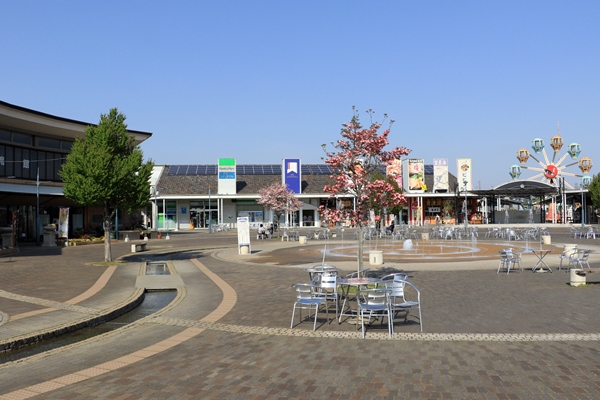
x=227, y=303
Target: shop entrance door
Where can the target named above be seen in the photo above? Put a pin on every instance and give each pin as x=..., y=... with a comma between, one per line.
x=201, y=218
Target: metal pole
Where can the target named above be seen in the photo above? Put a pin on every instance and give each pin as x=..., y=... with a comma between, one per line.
x=209, y=213
x=154, y=220
x=37, y=209
x=466, y=212
x=582, y=208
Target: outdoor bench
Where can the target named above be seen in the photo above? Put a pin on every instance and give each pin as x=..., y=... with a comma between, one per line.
x=138, y=247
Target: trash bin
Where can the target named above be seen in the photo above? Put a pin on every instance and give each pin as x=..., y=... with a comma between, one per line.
x=244, y=249
x=569, y=249
x=547, y=239
x=576, y=279
x=376, y=257
x=425, y=236
x=302, y=239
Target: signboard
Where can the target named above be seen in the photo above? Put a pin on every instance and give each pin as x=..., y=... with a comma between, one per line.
x=440, y=175
x=292, y=174
x=413, y=175
x=464, y=174
x=395, y=170
x=227, y=176
x=243, y=228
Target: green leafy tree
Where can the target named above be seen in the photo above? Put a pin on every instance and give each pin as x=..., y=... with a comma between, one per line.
x=106, y=169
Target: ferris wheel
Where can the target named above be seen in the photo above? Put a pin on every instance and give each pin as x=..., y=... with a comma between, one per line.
x=551, y=170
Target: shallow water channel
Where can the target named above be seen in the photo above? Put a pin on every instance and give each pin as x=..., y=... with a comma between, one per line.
x=153, y=302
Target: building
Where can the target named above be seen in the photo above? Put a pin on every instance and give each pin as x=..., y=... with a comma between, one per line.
x=33, y=146
x=186, y=196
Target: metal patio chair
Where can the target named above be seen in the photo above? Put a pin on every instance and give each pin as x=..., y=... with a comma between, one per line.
x=580, y=257
x=374, y=303
x=399, y=302
x=507, y=260
x=307, y=299
x=327, y=287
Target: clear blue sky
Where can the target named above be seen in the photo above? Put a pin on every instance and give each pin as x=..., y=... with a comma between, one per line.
x=263, y=80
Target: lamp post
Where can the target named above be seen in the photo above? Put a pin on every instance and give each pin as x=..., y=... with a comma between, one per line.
x=466, y=210
x=455, y=203
x=155, y=213
x=209, y=212
x=582, y=206
x=586, y=181
x=37, y=208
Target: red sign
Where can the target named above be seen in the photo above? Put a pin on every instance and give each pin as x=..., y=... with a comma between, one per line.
x=551, y=171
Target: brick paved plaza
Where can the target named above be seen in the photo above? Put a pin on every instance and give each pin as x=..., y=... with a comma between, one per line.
x=226, y=335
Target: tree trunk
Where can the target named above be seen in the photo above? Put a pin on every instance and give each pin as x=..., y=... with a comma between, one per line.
x=360, y=247
x=107, y=218
x=107, y=249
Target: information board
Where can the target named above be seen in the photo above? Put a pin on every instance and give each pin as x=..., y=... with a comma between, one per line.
x=243, y=228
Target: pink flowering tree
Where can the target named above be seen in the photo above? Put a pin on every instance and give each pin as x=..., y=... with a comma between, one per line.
x=356, y=161
x=280, y=199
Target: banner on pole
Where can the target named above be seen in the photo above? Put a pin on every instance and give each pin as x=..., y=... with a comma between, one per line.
x=63, y=223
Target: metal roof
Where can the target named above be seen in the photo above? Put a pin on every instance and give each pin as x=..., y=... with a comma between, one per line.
x=520, y=188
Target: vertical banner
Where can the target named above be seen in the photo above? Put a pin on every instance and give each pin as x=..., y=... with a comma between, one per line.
x=227, y=176
x=413, y=175
x=464, y=174
x=440, y=175
x=63, y=223
x=292, y=174
x=394, y=170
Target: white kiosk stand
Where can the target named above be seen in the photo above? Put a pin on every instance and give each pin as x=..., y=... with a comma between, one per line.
x=243, y=228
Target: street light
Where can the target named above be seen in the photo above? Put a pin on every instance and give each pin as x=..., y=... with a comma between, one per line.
x=585, y=183
x=209, y=212
x=466, y=210
x=37, y=209
x=155, y=213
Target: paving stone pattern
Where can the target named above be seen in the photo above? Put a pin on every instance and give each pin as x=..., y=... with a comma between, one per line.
x=487, y=335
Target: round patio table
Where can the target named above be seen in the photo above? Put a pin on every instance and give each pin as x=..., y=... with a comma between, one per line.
x=539, y=266
x=319, y=269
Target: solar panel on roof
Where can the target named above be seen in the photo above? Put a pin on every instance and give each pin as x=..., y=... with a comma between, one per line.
x=324, y=169
x=266, y=169
x=173, y=170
